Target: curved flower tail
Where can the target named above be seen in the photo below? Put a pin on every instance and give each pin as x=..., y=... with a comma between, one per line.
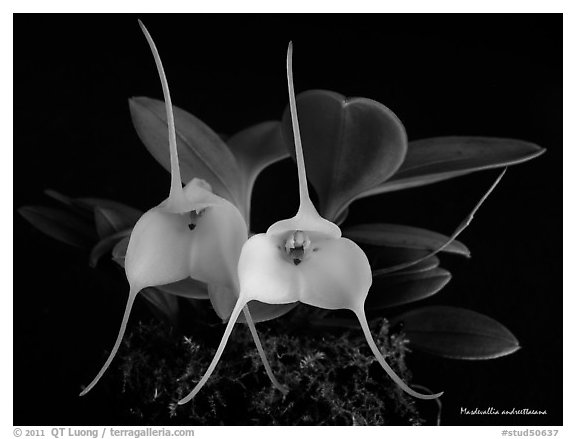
x=131, y=297
x=260, y=349
x=176, y=200
x=305, y=202
x=233, y=317
x=463, y=225
x=364, y=324
x=307, y=217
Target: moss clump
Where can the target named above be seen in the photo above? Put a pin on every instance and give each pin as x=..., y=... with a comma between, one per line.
x=333, y=379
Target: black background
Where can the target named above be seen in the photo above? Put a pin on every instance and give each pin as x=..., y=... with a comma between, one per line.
x=441, y=74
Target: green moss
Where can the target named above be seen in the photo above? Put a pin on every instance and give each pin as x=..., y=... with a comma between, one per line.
x=333, y=378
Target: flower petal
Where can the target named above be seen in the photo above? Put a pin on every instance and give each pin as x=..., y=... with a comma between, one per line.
x=158, y=250
x=337, y=275
x=264, y=273
x=217, y=239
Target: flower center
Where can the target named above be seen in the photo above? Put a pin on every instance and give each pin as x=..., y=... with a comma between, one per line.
x=296, y=246
x=194, y=217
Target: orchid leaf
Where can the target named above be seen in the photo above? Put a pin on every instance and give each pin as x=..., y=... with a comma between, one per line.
x=396, y=235
x=201, y=152
x=425, y=265
x=164, y=305
x=341, y=217
x=457, y=333
x=400, y=289
x=106, y=245
x=350, y=146
x=109, y=221
x=61, y=225
x=122, y=209
x=119, y=251
x=381, y=257
x=441, y=158
x=64, y=199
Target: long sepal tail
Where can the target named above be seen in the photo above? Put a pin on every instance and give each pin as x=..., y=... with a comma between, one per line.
x=307, y=217
x=233, y=317
x=131, y=297
x=366, y=329
x=305, y=202
x=176, y=201
x=261, y=352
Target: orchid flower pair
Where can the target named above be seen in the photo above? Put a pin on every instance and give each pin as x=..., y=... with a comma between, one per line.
x=196, y=234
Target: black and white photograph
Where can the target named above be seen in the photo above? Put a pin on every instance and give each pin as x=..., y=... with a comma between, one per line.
x=288, y=219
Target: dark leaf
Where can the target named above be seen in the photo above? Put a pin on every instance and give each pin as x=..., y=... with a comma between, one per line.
x=106, y=245
x=119, y=251
x=61, y=225
x=201, y=152
x=128, y=213
x=440, y=158
x=403, y=288
x=396, y=235
x=425, y=265
x=342, y=215
x=381, y=257
x=64, y=199
x=108, y=221
x=70, y=203
x=350, y=145
x=457, y=333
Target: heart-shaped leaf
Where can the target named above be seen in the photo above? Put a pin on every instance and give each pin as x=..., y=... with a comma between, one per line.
x=396, y=235
x=350, y=145
x=255, y=148
x=441, y=158
x=165, y=306
x=400, y=289
x=105, y=245
x=201, y=152
x=61, y=225
x=457, y=333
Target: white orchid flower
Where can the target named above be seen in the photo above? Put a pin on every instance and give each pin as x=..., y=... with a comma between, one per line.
x=193, y=233
x=304, y=259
